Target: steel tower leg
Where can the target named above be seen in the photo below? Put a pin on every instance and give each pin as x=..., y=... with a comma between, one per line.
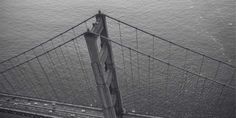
x=104, y=69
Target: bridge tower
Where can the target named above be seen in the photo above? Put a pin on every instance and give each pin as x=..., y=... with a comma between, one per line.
x=102, y=62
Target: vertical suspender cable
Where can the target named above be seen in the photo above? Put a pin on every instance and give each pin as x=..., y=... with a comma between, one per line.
x=15, y=76
x=149, y=76
x=200, y=70
x=30, y=85
x=136, y=37
x=48, y=80
x=122, y=50
x=9, y=83
x=78, y=52
x=4, y=88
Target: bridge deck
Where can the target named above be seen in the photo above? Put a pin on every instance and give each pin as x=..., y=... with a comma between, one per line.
x=32, y=107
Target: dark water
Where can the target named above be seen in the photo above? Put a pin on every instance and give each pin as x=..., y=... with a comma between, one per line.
x=207, y=26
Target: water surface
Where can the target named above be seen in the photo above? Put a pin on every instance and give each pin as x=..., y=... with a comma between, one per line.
x=205, y=26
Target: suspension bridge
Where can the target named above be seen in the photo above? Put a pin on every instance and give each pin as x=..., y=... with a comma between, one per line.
x=106, y=68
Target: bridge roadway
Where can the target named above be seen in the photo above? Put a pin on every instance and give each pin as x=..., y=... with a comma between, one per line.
x=38, y=108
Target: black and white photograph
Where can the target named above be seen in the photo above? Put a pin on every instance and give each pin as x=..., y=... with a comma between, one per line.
x=117, y=58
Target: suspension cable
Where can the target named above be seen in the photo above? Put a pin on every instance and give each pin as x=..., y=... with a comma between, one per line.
x=136, y=35
x=78, y=54
x=61, y=79
x=36, y=76
x=50, y=39
x=41, y=54
x=83, y=70
x=168, y=41
x=67, y=64
x=122, y=50
x=131, y=65
x=3, y=86
x=15, y=77
x=23, y=78
x=31, y=85
x=149, y=76
x=48, y=80
x=9, y=83
x=202, y=76
x=200, y=69
x=52, y=65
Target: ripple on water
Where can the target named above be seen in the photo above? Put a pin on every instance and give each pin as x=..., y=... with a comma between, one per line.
x=230, y=24
x=191, y=7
